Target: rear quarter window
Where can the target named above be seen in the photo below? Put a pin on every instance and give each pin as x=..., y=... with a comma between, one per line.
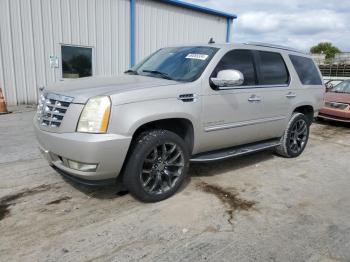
x=306, y=70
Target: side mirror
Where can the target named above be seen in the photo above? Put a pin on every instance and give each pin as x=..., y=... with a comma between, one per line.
x=228, y=78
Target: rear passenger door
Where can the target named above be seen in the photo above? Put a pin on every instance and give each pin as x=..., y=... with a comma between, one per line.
x=274, y=90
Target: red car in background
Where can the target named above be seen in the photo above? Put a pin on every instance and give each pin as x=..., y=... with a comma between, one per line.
x=337, y=103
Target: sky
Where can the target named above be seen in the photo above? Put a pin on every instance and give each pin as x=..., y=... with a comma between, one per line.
x=295, y=23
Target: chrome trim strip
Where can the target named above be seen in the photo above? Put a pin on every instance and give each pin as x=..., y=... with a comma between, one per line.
x=252, y=87
x=193, y=160
x=61, y=98
x=241, y=124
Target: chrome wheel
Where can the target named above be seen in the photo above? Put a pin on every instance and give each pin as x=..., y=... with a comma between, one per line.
x=162, y=168
x=298, y=136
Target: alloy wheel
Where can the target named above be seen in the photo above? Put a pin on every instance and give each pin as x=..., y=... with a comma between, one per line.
x=162, y=168
x=298, y=136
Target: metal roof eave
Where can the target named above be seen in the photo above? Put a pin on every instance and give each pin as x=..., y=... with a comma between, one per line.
x=199, y=8
x=229, y=19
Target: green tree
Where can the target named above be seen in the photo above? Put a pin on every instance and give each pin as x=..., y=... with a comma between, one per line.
x=325, y=48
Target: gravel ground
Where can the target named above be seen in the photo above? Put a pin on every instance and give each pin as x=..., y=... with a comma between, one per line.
x=258, y=207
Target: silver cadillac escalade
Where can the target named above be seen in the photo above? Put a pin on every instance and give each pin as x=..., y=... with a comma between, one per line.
x=182, y=104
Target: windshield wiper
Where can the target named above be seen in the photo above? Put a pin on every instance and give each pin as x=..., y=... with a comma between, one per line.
x=162, y=74
x=131, y=72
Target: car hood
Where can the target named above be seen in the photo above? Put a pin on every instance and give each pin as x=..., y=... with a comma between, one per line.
x=337, y=97
x=82, y=89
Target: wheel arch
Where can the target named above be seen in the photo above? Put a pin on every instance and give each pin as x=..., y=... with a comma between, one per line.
x=183, y=127
x=307, y=110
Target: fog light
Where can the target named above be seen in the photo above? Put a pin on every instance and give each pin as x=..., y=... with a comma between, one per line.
x=82, y=166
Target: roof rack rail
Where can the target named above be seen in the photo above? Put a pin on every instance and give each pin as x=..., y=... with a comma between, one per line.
x=274, y=46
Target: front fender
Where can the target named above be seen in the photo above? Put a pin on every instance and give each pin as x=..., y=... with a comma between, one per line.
x=127, y=118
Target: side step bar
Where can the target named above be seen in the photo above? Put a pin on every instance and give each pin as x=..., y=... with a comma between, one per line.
x=234, y=151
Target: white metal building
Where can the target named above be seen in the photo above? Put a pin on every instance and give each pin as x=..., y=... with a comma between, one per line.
x=42, y=41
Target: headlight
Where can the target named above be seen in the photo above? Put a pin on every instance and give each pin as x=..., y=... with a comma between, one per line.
x=95, y=115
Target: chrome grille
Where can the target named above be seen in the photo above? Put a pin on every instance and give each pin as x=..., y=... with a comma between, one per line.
x=336, y=105
x=52, y=108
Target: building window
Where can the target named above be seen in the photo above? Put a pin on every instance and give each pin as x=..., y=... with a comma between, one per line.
x=76, y=61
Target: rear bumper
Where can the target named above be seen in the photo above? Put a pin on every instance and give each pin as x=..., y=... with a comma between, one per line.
x=335, y=114
x=107, y=151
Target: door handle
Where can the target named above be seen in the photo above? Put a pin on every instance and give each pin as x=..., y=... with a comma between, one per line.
x=291, y=95
x=254, y=98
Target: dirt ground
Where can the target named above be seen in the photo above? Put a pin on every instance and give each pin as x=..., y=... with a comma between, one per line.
x=258, y=207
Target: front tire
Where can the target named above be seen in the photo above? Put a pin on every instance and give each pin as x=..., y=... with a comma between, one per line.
x=295, y=137
x=157, y=165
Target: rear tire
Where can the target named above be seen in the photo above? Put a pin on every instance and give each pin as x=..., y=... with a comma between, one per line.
x=157, y=165
x=295, y=137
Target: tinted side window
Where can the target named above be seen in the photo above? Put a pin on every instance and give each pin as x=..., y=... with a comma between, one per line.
x=241, y=60
x=273, y=70
x=306, y=70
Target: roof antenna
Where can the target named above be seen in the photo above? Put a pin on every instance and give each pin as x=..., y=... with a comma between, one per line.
x=211, y=41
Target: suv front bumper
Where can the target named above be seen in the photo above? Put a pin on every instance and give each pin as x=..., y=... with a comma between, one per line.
x=106, y=151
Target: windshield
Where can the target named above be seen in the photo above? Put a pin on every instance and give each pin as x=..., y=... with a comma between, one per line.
x=343, y=87
x=176, y=63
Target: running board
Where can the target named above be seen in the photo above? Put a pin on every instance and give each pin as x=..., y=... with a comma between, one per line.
x=234, y=151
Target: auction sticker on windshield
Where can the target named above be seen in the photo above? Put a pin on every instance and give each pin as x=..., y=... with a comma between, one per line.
x=197, y=56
